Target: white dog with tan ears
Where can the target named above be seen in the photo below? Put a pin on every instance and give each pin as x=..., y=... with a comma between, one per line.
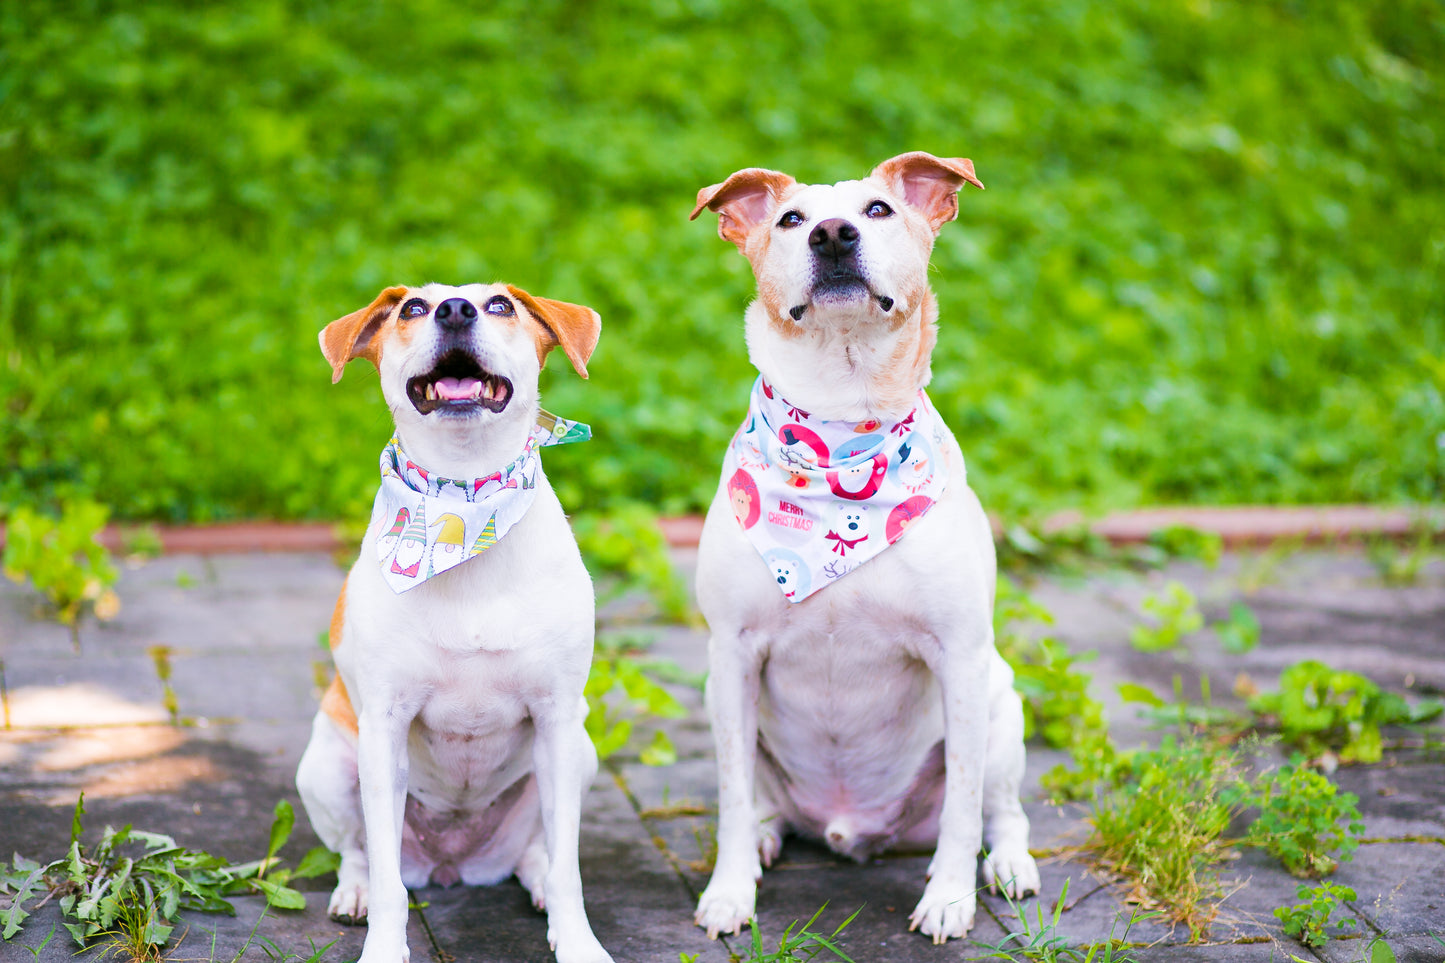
x=450, y=747
x=855, y=692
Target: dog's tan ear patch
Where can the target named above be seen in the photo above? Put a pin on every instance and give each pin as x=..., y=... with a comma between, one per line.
x=573, y=327
x=742, y=201
x=929, y=184
x=354, y=336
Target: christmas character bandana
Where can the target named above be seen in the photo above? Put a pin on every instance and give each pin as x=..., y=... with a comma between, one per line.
x=817, y=498
x=426, y=524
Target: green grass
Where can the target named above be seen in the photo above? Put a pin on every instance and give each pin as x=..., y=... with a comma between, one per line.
x=1206, y=267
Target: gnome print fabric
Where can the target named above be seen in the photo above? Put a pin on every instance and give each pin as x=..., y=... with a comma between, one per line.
x=426, y=524
x=818, y=498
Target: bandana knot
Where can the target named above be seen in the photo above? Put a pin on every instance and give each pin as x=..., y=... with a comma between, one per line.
x=817, y=498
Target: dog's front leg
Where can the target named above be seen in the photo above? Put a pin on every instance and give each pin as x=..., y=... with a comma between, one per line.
x=383, y=770
x=565, y=764
x=947, y=907
x=732, y=702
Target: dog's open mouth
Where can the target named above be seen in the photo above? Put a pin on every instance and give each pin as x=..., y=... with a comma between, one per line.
x=458, y=384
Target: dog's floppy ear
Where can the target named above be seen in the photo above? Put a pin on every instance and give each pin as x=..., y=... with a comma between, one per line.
x=742, y=201
x=354, y=335
x=571, y=326
x=929, y=184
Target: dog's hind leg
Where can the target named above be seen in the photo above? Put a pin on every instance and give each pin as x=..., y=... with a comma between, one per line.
x=1008, y=864
x=330, y=791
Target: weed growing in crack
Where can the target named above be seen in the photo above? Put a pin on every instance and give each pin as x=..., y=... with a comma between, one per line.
x=1308, y=921
x=1322, y=710
x=1162, y=828
x=1057, y=704
x=793, y=947
x=622, y=689
x=1176, y=615
x=1300, y=819
x=126, y=891
x=1039, y=941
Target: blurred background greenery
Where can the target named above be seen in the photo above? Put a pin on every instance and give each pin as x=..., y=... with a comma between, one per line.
x=1207, y=267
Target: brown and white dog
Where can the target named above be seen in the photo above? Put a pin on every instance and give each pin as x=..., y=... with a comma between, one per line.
x=876, y=714
x=451, y=743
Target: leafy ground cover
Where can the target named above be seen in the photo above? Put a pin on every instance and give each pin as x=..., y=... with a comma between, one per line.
x=1206, y=267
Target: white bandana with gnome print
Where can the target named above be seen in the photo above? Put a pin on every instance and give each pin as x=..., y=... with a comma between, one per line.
x=818, y=498
x=426, y=524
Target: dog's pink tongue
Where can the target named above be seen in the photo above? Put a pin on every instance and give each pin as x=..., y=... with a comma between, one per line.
x=458, y=389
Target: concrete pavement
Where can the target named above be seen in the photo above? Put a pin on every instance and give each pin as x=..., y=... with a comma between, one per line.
x=240, y=635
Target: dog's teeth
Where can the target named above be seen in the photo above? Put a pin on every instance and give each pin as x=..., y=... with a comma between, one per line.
x=484, y=389
x=431, y=392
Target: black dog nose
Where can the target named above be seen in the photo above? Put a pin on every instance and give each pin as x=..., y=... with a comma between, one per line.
x=834, y=238
x=456, y=313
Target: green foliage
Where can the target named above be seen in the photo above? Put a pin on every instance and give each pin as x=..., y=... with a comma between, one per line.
x=623, y=689
x=1319, y=709
x=1239, y=633
x=1307, y=921
x=1181, y=541
x=626, y=544
x=1160, y=824
x=1056, y=700
x=1039, y=939
x=1299, y=821
x=1177, y=615
x=128, y=888
x=1205, y=268
x=62, y=559
x=796, y=947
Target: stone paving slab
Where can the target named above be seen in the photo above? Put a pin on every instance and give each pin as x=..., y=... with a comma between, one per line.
x=243, y=637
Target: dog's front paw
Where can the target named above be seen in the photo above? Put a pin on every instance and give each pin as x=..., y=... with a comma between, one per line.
x=725, y=906
x=374, y=952
x=946, y=910
x=1012, y=870
x=578, y=948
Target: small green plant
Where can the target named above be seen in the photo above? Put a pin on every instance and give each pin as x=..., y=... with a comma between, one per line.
x=1307, y=921
x=1399, y=565
x=1319, y=709
x=1304, y=821
x=627, y=544
x=1181, y=541
x=1239, y=633
x=1177, y=615
x=1039, y=941
x=1160, y=825
x=796, y=947
x=63, y=560
x=622, y=689
x=125, y=891
x=1056, y=700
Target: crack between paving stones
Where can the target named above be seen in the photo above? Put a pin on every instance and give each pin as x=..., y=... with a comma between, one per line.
x=437, y=953
x=657, y=841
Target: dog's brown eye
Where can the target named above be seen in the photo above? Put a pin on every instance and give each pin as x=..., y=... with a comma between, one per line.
x=790, y=219
x=878, y=209
x=414, y=308
x=499, y=305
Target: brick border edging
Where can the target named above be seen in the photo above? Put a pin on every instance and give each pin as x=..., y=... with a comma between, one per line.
x=1238, y=526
